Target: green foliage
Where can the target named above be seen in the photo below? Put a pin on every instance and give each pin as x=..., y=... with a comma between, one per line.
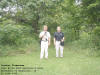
x=31, y=15
x=91, y=11
x=10, y=33
x=96, y=37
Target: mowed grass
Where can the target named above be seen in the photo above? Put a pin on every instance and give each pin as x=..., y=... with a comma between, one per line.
x=74, y=62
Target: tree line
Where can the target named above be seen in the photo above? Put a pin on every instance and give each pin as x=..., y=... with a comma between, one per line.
x=22, y=18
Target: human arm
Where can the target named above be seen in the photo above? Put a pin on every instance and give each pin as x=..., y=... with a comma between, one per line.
x=42, y=35
x=62, y=37
x=54, y=41
x=49, y=41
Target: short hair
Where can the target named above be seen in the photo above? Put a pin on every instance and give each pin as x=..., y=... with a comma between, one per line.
x=45, y=26
x=58, y=26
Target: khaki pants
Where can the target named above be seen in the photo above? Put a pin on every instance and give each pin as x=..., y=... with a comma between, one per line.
x=44, y=49
x=59, y=47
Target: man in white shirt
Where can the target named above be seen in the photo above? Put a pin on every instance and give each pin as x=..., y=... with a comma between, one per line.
x=45, y=42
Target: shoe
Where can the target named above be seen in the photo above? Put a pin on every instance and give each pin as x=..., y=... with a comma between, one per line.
x=46, y=57
x=41, y=58
x=61, y=56
x=56, y=56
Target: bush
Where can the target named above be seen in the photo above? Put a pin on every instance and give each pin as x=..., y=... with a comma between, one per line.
x=96, y=37
x=70, y=35
x=11, y=34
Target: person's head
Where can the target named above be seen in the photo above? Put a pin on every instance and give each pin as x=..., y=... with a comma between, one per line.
x=58, y=29
x=45, y=27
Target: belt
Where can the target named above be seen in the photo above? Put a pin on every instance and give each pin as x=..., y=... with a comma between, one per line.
x=44, y=40
x=58, y=41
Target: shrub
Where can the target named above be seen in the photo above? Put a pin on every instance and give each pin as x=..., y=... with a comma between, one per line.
x=71, y=35
x=12, y=33
x=96, y=37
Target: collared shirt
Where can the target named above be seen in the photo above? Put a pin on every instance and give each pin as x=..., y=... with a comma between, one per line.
x=58, y=36
x=46, y=35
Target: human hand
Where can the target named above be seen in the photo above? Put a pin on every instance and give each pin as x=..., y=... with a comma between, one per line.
x=48, y=44
x=62, y=40
x=54, y=43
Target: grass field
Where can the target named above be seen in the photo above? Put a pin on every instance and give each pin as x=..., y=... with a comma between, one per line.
x=75, y=62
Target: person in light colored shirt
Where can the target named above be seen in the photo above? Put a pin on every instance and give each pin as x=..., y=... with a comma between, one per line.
x=45, y=42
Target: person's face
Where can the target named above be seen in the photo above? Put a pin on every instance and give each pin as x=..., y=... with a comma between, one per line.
x=45, y=28
x=58, y=29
